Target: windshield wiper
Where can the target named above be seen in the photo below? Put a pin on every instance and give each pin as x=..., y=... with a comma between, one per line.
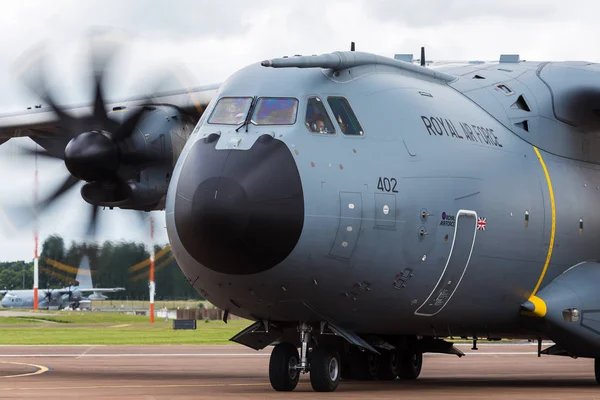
x=248, y=116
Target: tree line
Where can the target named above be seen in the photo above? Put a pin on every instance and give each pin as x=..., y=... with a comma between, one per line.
x=111, y=265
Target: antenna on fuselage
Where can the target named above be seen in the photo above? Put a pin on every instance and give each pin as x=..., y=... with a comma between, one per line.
x=352, y=46
x=422, y=56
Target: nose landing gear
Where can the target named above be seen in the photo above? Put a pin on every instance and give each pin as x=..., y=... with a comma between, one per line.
x=323, y=363
x=331, y=357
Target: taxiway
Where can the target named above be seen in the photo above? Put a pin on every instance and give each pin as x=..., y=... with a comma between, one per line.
x=495, y=371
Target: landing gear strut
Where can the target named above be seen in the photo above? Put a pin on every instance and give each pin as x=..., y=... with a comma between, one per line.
x=305, y=331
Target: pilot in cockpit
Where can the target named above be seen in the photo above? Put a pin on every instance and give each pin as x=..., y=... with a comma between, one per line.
x=343, y=125
x=317, y=120
x=319, y=126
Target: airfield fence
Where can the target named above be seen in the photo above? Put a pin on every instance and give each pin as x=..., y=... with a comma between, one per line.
x=135, y=305
x=182, y=310
x=201, y=314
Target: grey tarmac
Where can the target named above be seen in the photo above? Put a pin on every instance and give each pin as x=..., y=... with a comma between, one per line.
x=495, y=371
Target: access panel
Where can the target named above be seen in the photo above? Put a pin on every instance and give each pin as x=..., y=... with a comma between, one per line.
x=350, y=224
x=385, y=210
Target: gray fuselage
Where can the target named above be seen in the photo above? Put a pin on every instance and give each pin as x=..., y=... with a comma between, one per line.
x=439, y=220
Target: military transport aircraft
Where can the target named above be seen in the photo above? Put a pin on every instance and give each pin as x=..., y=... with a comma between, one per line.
x=71, y=296
x=359, y=208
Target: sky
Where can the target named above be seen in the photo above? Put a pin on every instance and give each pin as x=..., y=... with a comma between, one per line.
x=203, y=42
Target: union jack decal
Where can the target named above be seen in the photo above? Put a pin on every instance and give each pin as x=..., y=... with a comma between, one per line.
x=481, y=223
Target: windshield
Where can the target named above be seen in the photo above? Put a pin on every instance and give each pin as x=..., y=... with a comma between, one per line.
x=345, y=116
x=275, y=111
x=230, y=111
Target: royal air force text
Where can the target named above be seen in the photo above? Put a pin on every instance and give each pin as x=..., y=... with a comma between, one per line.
x=444, y=127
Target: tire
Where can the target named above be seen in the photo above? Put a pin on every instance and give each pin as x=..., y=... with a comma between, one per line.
x=385, y=371
x=373, y=363
x=346, y=360
x=597, y=369
x=354, y=365
x=395, y=361
x=412, y=361
x=325, y=368
x=361, y=366
x=282, y=376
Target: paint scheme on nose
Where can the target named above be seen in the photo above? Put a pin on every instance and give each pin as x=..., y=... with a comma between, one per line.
x=239, y=211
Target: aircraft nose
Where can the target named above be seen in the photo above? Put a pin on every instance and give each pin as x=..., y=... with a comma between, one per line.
x=239, y=211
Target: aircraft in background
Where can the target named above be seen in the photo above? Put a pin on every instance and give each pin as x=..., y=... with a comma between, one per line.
x=359, y=208
x=73, y=296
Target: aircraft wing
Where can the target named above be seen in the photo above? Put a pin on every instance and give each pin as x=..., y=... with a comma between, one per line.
x=41, y=121
x=101, y=290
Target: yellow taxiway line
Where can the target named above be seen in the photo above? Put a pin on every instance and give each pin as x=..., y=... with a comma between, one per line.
x=40, y=369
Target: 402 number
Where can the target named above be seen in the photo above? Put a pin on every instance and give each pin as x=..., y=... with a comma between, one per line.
x=387, y=185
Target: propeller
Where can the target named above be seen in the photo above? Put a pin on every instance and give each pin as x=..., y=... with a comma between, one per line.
x=48, y=296
x=97, y=148
x=70, y=294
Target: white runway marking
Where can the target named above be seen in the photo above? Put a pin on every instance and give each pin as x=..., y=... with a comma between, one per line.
x=501, y=353
x=87, y=355
x=503, y=344
x=51, y=345
x=87, y=351
x=238, y=346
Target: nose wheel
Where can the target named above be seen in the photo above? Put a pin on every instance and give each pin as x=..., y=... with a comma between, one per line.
x=325, y=369
x=283, y=372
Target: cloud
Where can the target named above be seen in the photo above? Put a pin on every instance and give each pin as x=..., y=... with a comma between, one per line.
x=453, y=12
x=158, y=19
x=212, y=40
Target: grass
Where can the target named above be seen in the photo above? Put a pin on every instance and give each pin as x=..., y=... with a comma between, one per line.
x=27, y=332
x=77, y=318
x=20, y=321
x=110, y=328
x=218, y=334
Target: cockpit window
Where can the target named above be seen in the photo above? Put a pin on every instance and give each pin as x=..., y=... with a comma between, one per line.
x=230, y=111
x=275, y=111
x=344, y=115
x=317, y=119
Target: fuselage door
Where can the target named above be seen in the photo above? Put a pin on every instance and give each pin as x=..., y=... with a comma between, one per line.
x=465, y=232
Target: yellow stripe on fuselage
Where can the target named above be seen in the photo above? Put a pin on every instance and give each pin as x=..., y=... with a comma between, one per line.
x=553, y=229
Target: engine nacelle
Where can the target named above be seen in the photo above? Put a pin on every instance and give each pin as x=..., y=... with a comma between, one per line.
x=162, y=133
x=569, y=308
